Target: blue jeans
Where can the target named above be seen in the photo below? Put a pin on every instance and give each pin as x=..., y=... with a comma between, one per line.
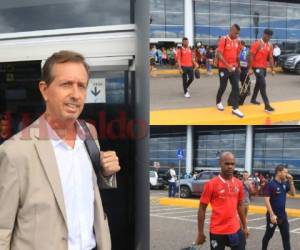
x=172, y=189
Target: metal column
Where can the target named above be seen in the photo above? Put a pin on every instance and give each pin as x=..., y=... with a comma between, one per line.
x=189, y=21
x=249, y=148
x=189, y=149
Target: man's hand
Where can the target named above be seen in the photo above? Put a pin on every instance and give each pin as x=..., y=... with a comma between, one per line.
x=201, y=238
x=180, y=71
x=109, y=162
x=273, y=218
x=246, y=232
x=289, y=177
x=230, y=69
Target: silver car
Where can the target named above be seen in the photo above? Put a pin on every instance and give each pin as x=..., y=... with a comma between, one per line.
x=290, y=62
x=194, y=185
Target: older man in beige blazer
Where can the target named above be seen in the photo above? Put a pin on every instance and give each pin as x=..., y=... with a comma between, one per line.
x=35, y=209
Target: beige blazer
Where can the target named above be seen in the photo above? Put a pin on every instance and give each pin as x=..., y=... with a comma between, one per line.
x=32, y=210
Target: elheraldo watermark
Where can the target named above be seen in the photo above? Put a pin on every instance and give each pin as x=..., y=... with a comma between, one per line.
x=118, y=128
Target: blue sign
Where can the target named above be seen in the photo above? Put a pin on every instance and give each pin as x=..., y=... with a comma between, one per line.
x=179, y=153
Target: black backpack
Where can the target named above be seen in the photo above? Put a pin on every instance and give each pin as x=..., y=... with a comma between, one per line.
x=168, y=175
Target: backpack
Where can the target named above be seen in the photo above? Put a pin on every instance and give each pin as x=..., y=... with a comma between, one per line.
x=168, y=175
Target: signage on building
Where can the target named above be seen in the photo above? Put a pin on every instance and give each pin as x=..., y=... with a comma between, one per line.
x=96, y=91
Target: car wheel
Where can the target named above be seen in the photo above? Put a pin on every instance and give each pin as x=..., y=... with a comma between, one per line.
x=297, y=68
x=185, y=192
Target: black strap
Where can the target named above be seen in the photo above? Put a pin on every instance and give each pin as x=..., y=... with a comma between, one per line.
x=92, y=150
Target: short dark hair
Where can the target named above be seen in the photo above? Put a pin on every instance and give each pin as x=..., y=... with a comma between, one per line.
x=185, y=39
x=236, y=26
x=243, y=43
x=63, y=56
x=280, y=168
x=268, y=32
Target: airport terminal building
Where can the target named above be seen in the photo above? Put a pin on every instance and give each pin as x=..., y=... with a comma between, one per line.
x=257, y=148
x=206, y=20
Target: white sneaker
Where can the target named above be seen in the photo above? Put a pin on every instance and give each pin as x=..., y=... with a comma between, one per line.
x=238, y=113
x=220, y=106
x=187, y=95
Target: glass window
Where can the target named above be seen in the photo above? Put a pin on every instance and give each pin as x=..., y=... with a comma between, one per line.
x=278, y=22
x=157, y=31
x=174, y=19
x=221, y=7
x=201, y=6
x=293, y=34
x=202, y=32
x=174, y=5
x=157, y=5
x=202, y=19
x=242, y=21
x=19, y=16
x=260, y=8
x=240, y=8
x=220, y=20
x=174, y=31
x=158, y=18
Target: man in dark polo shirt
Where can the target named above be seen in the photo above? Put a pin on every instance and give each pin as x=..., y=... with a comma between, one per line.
x=275, y=199
x=228, y=55
x=186, y=63
x=225, y=194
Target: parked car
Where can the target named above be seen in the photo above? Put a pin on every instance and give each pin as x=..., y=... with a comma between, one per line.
x=194, y=185
x=155, y=181
x=290, y=62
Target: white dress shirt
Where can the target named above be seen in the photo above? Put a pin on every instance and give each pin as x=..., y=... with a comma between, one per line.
x=75, y=170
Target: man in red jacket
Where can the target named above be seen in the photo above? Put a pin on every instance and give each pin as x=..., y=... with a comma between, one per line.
x=225, y=194
x=228, y=55
x=186, y=64
x=261, y=53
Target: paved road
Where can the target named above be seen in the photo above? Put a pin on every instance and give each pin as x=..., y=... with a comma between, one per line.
x=167, y=93
x=174, y=228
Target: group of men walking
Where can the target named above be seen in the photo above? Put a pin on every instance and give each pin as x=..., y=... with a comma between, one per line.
x=235, y=63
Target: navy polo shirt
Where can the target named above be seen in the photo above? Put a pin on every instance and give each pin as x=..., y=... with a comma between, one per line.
x=277, y=193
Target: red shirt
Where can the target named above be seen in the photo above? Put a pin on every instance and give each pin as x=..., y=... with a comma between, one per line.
x=185, y=55
x=223, y=196
x=230, y=50
x=261, y=52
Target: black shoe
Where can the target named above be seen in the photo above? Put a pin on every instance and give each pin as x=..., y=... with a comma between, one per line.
x=255, y=102
x=269, y=109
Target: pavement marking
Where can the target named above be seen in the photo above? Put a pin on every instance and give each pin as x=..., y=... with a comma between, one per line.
x=254, y=115
x=296, y=230
x=187, y=211
x=188, y=218
x=259, y=218
x=168, y=209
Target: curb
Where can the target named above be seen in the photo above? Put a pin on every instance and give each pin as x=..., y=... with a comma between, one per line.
x=286, y=111
x=189, y=203
x=175, y=72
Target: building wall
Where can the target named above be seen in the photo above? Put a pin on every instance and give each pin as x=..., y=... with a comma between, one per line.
x=212, y=18
x=271, y=146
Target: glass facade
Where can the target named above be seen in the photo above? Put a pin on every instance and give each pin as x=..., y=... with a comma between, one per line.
x=214, y=17
x=33, y=15
x=271, y=146
x=166, y=18
x=276, y=146
x=208, y=145
x=163, y=145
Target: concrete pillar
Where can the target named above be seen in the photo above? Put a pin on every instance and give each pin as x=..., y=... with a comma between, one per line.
x=189, y=21
x=189, y=149
x=249, y=148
